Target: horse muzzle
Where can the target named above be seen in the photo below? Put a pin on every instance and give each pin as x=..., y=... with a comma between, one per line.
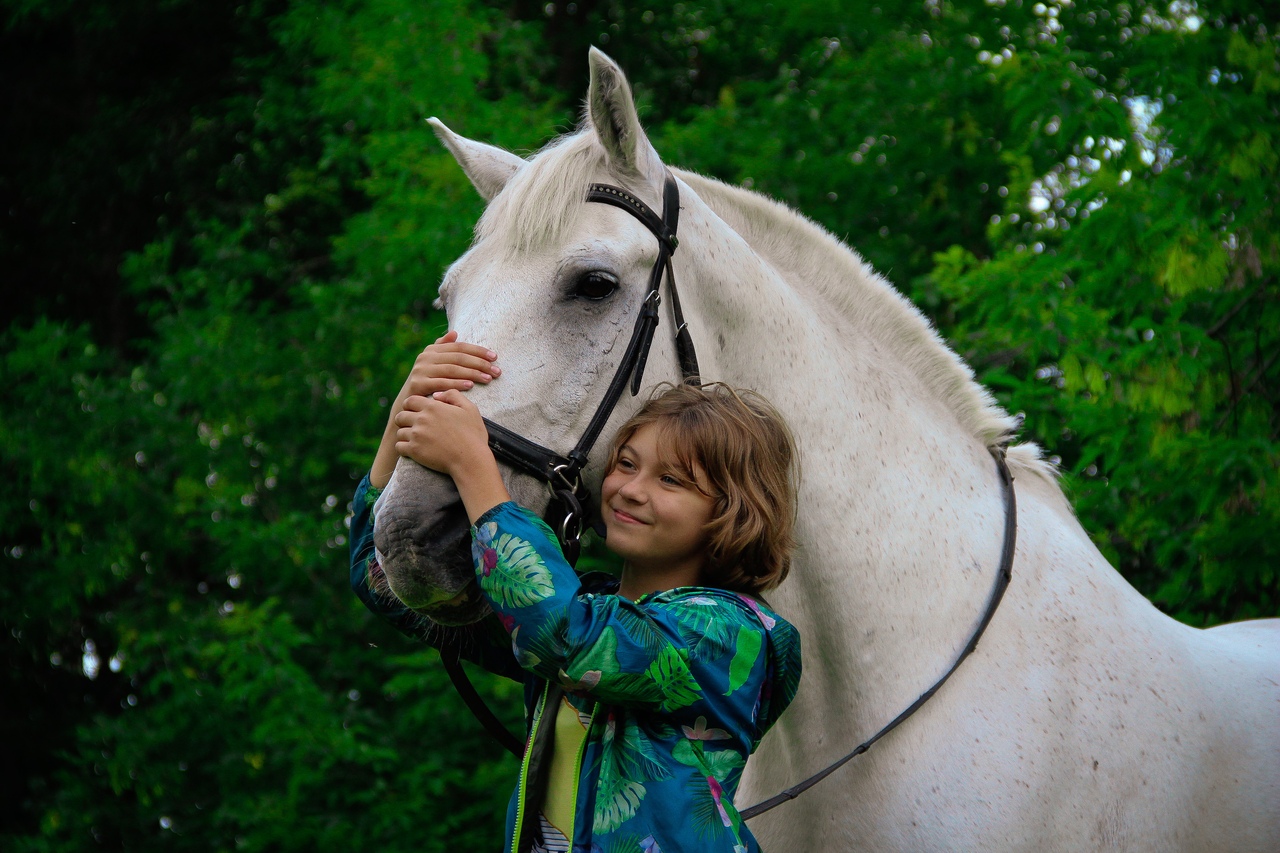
x=424, y=547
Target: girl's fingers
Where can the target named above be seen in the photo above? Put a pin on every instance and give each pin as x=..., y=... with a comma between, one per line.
x=456, y=398
x=457, y=369
x=456, y=365
x=449, y=341
x=428, y=386
x=412, y=403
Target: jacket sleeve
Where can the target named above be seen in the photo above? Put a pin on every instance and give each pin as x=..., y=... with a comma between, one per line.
x=484, y=643
x=688, y=647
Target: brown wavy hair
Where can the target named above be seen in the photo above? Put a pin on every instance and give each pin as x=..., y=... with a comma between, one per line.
x=747, y=453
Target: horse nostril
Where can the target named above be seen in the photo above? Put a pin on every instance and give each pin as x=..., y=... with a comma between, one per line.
x=426, y=555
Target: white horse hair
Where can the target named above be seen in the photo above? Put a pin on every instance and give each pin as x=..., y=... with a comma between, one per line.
x=1086, y=720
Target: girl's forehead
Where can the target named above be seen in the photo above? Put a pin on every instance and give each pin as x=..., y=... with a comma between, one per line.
x=667, y=445
x=655, y=437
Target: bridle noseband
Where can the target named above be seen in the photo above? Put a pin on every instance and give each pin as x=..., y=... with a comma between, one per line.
x=563, y=474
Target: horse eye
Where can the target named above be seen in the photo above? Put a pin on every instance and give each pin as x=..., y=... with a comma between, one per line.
x=595, y=285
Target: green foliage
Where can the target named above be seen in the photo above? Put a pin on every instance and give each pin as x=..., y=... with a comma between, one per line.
x=225, y=225
x=176, y=516
x=1133, y=313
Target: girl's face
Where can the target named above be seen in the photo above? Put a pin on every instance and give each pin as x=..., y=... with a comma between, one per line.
x=654, y=517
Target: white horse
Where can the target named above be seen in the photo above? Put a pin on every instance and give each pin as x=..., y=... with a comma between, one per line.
x=1086, y=720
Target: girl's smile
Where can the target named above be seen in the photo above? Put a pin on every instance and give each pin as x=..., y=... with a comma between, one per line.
x=655, y=517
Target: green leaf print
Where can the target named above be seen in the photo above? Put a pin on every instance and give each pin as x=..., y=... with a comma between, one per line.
x=708, y=818
x=785, y=639
x=722, y=763
x=520, y=578
x=641, y=630
x=635, y=756
x=744, y=658
x=706, y=821
x=688, y=752
x=616, y=801
x=717, y=762
x=545, y=645
x=704, y=629
x=601, y=656
x=628, y=687
x=670, y=672
x=623, y=844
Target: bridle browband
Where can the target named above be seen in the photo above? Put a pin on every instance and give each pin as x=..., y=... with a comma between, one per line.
x=563, y=474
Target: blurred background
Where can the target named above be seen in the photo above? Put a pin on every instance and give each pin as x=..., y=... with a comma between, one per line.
x=223, y=227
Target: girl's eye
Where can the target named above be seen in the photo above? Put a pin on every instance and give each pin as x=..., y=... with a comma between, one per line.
x=595, y=285
x=672, y=480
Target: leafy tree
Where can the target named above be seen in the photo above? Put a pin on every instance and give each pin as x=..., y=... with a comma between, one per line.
x=1130, y=306
x=177, y=513
x=196, y=372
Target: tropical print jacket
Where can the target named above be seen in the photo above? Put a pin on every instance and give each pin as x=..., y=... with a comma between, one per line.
x=678, y=687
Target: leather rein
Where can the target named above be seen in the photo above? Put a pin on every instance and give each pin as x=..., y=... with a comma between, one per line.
x=563, y=474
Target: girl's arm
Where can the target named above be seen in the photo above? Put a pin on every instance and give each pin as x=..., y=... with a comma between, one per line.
x=446, y=364
x=694, y=648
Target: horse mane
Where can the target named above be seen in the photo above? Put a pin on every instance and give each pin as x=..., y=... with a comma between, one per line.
x=791, y=241
x=544, y=200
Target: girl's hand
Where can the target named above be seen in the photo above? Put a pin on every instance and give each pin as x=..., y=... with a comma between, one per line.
x=448, y=364
x=445, y=432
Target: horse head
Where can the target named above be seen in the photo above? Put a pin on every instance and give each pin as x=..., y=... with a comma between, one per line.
x=553, y=285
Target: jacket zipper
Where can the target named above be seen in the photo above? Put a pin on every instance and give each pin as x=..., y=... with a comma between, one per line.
x=524, y=772
x=577, y=768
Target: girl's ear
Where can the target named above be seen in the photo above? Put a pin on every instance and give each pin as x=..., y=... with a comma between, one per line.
x=611, y=111
x=487, y=166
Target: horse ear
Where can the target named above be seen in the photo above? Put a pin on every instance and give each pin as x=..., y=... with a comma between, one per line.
x=488, y=166
x=611, y=109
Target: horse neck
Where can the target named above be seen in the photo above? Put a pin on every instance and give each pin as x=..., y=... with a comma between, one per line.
x=902, y=514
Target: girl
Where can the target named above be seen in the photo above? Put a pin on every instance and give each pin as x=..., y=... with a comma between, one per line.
x=644, y=696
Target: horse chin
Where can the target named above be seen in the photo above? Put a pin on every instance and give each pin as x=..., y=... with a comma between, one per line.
x=465, y=608
x=424, y=547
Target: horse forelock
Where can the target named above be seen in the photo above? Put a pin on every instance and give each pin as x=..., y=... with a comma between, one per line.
x=810, y=256
x=546, y=198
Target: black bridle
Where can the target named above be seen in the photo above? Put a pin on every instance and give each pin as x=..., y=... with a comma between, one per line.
x=563, y=474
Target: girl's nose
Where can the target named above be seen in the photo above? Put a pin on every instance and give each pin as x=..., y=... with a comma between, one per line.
x=632, y=491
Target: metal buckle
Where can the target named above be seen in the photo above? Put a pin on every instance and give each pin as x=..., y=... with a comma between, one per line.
x=573, y=486
x=569, y=530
